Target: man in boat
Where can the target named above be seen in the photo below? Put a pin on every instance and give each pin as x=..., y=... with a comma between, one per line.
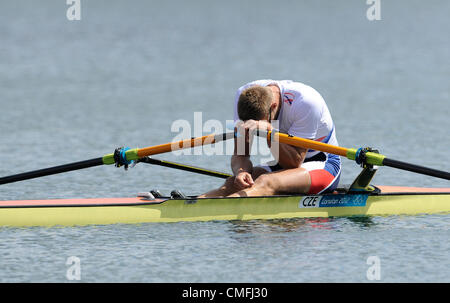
x=300, y=111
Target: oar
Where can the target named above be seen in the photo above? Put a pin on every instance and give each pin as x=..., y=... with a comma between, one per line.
x=124, y=157
x=359, y=155
x=185, y=167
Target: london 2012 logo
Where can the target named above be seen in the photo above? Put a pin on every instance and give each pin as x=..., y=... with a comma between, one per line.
x=334, y=200
x=288, y=98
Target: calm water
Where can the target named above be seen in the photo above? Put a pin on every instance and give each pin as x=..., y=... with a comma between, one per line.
x=122, y=75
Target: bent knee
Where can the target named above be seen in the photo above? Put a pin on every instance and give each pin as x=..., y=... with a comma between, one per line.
x=229, y=181
x=265, y=181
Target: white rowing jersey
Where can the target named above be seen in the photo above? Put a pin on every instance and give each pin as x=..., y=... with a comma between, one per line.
x=303, y=112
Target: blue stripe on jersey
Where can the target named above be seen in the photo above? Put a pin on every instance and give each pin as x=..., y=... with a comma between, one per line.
x=333, y=164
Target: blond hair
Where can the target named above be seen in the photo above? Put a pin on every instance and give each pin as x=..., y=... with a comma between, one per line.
x=254, y=103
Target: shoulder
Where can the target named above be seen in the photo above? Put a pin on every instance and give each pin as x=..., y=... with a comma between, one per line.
x=302, y=95
x=302, y=103
x=303, y=91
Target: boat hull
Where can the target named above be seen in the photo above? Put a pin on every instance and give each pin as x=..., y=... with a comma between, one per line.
x=78, y=212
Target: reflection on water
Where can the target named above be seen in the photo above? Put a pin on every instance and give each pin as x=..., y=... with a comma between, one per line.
x=362, y=221
x=299, y=224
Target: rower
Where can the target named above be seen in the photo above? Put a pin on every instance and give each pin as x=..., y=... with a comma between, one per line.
x=299, y=111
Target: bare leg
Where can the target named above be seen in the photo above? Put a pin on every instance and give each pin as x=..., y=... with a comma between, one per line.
x=296, y=180
x=226, y=189
x=229, y=188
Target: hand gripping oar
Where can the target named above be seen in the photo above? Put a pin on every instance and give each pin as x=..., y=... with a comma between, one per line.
x=361, y=156
x=122, y=157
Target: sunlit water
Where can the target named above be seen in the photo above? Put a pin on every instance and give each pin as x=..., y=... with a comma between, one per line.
x=122, y=75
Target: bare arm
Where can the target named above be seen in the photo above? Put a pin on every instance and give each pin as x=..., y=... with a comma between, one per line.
x=240, y=161
x=241, y=164
x=289, y=156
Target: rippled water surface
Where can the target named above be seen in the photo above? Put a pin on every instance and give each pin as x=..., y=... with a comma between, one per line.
x=302, y=250
x=122, y=75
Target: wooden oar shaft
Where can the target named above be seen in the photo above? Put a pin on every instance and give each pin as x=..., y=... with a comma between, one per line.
x=370, y=157
x=183, y=144
x=137, y=153
x=309, y=144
